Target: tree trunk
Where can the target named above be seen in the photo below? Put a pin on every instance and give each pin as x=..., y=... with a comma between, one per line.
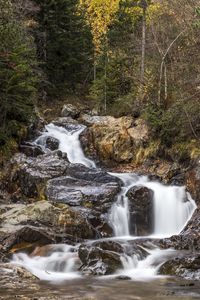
x=143, y=46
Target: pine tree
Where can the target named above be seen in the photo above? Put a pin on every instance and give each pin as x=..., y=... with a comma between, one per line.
x=67, y=46
x=17, y=76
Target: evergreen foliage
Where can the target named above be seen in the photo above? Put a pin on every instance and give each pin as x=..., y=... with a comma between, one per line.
x=17, y=76
x=66, y=45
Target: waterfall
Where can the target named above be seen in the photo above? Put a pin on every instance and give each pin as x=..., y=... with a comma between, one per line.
x=173, y=207
x=68, y=142
x=119, y=217
x=60, y=263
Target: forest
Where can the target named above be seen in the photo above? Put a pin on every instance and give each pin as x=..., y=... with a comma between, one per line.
x=100, y=149
x=121, y=57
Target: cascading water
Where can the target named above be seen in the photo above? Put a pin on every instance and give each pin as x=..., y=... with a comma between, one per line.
x=119, y=217
x=173, y=207
x=68, y=142
x=170, y=203
x=58, y=263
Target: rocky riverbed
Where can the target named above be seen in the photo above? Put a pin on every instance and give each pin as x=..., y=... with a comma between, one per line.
x=49, y=198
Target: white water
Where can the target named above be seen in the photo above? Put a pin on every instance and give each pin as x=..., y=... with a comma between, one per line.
x=119, y=217
x=146, y=269
x=58, y=265
x=173, y=207
x=68, y=143
x=171, y=214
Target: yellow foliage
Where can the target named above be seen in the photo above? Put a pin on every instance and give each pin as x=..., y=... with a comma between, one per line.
x=99, y=14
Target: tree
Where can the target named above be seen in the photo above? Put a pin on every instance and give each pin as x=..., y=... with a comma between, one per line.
x=64, y=45
x=18, y=80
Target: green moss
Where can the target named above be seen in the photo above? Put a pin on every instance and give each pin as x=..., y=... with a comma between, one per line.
x=87, y=204
x=7, y=150
x=149, y=152
x=185, y=150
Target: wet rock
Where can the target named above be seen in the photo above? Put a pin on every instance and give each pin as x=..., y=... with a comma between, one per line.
x=70, y=111
x=64, y=122
x=76, y=192
x=188, y=239
x=16, y=271
x=140, y=247
x=31, y=174
x=98, y=261
x=178, y=180
x=26, y=237
x=123, y=277
x=96, y=175
x=52, y=143
x=31, y=149
x=187, y=267
x=109, y=245
x=100, y=224
x=53, y=219
x=141, y=210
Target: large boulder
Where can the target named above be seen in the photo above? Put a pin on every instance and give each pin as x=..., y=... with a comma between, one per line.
x=80, y=192
x=100, y=259
x=184, y=265
x=54, y=219
x=25, y=238
x=92, y=199
x=70, y=111
x=30, y=174
x=139, y=132
x=141, y=210
x=93, y=175
x=188, y=239
x=113, y=140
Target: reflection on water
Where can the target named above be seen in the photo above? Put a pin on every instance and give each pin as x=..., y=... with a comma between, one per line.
x=90, y=289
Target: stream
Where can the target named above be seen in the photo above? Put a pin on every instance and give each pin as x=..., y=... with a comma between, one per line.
x=172, y=209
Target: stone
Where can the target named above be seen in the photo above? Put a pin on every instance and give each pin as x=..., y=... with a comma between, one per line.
x=123, y=277
x=113, y=140
x=52, y=143
x=31, y=149
x=31, y=174
x=82, y=172
x=192, y=181
x=26, y=237
x=185, y=265
x=64, y=122
x=53, y=219
x=80, y=192
x=89, y=120
x=188, y=239
x=98, y=261
x=139, y=133
x=141, y=210
x=18, y=271
x=69, y=110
